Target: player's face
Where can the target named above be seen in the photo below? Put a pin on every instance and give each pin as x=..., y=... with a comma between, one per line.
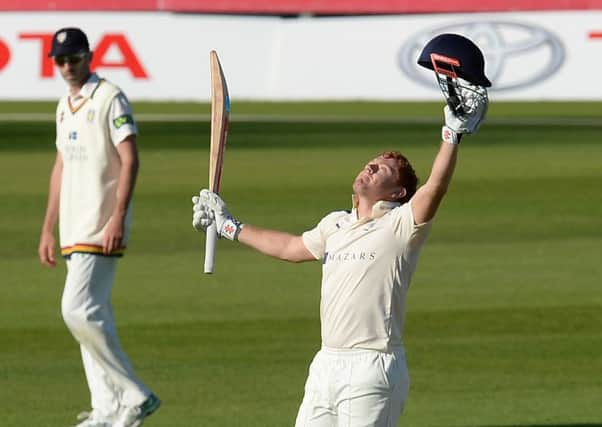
x=75, y=69
x=378, y=180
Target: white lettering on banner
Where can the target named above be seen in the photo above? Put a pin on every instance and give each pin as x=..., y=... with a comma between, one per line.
x=165, y=56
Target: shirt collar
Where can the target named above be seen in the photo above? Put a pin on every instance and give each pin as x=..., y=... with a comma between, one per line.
x=380, y=208
x=88, y=87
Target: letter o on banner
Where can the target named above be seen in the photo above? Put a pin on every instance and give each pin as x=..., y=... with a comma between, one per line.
x=4, y=54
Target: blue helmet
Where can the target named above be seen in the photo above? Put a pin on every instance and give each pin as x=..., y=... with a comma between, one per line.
x=455, y=54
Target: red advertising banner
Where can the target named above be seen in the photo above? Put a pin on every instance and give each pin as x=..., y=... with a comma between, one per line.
x=316, y=7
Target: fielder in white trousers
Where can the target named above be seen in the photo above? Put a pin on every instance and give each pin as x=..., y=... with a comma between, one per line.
x=88, y=313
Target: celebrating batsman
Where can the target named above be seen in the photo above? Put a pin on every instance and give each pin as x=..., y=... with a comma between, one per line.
x=359, y=377
x=91, y=187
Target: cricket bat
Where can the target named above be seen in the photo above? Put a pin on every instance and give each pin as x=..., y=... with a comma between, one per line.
x=220, y=118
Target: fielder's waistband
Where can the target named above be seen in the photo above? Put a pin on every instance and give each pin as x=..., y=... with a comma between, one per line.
x=86, y=248
x=360, y=351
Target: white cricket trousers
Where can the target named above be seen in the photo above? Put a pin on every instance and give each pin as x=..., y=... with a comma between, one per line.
x=87, y=311
x=354, y=388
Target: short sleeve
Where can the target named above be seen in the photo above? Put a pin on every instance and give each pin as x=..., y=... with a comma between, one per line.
x=412, y=234
x=121, y=119
x=315, y=239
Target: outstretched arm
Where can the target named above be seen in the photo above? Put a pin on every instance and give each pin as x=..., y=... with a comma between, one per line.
x=277, y=244
x=208, y=207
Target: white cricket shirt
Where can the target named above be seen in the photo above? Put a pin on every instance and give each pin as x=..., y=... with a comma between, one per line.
x=366, y=272
x=89, y=126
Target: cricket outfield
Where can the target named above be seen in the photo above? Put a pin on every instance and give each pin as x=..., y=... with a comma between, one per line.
x=504, y=321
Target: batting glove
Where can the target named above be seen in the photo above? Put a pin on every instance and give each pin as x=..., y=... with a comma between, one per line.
x=202, y=216
x=208, y=208
x=474, y=109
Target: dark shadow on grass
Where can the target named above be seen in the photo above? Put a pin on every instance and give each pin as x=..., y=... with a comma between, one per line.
x=21, y=136
x=547, y=425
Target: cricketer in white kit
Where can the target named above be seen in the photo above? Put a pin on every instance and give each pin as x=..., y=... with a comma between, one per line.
x=91, y=187
x=359, y=377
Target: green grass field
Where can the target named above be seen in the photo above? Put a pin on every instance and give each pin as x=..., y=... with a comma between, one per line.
x=504, y=322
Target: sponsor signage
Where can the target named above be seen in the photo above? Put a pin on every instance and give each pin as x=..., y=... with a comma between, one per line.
x=508, y=47
x=128, y=59
x=164, y=56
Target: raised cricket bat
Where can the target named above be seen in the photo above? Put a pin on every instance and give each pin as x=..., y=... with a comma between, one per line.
x=220, y=115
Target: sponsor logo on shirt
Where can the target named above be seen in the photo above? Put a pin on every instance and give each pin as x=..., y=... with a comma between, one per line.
x=349, y=256
x=71, y=150
x=74, y=153
x=122, y=120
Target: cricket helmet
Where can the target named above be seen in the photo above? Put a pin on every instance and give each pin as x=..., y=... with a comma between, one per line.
x=69, y=41
x=453, y=53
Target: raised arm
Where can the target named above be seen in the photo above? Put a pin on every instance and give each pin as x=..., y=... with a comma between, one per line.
x=427, y=198
x=209, y=207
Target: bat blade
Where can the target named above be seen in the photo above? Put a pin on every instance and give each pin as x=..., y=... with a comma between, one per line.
x=220, y=119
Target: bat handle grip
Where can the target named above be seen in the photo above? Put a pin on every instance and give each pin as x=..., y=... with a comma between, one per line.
x=210, y=241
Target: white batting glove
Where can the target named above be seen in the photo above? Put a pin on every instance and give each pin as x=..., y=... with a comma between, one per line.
x=450, y=136
x=475, y=108
x=209, y=208
x=202, y=216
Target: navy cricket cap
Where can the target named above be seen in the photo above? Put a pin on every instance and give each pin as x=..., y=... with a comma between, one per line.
x=69, y=41
x=457, y=47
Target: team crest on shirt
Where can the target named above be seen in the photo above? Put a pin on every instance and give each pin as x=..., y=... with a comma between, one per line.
x=90, y=115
